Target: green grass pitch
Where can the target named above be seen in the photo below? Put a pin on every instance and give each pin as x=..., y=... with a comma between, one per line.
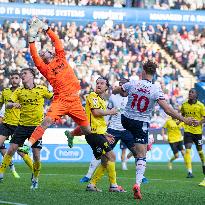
x=59, y=185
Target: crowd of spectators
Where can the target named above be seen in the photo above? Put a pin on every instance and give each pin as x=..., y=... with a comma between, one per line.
x=156, y=4
x=110, y=50
x=186, y=46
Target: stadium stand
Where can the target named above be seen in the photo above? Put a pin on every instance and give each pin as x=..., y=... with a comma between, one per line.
x=156, y=4
x=113, y=50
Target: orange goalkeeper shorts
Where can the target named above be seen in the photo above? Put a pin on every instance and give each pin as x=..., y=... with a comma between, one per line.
x=70, y=106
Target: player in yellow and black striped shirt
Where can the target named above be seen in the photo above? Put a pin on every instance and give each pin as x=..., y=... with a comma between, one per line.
x=193, y=134
x=30, y=101
x=99, y=142
x=97, y=123
x=11, y=116
x=174, y=138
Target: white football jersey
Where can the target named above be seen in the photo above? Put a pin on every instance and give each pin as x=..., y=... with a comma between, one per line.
x=142, y=96
x=2, y=111
x=119, y=102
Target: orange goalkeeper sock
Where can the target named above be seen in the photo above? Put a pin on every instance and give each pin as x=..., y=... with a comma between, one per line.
x=36, y=135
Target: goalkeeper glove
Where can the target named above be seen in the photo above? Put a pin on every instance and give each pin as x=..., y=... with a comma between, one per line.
x=45, y=26
x=37, y=24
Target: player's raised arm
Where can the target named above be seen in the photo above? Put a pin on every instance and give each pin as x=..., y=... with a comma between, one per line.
x=37, y=24
x=37, y=59
x=55, y=39
x=32, y=33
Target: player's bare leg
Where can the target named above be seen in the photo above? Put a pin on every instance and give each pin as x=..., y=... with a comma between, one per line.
x=139, y=152
x=36, y=168
x=176, y=156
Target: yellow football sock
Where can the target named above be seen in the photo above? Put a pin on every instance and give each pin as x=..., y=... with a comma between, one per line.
x=27, y=159
x=172, y=159
x=99, y=172
x=36, y=169
x=187, y=159
x=111, y=172
x=202, y=157
x=5, y=163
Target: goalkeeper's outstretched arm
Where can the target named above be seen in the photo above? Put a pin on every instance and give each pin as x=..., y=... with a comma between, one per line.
x=57, y=42
x=32, y=33
x=42, y=67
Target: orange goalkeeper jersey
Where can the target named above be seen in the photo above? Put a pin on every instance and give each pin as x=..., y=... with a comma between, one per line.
x=58, y=72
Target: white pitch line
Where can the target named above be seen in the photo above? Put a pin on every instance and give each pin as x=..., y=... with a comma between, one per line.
x=130, y=178
x=13, y=203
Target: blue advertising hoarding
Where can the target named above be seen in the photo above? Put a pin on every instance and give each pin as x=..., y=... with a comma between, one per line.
x=83, y=153
x=85, y=14
x=55, y=149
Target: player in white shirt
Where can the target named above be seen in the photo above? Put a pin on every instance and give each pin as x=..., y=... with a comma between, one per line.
x=2, y=111
x=115, y=128
x=142, y=96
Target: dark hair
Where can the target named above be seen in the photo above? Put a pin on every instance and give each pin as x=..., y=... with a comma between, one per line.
x=104, y=78
x=123, y=81
x=31, y=70
x=15, y=72
x=150, y=67
x=194, y=90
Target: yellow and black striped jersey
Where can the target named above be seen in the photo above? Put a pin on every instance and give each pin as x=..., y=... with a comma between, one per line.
x=173, y=130
x=11, y=116
x=197, y=111
x=98, y=124
x=32, y=104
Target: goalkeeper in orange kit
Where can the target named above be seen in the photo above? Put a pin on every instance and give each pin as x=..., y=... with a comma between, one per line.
x=55, y=68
